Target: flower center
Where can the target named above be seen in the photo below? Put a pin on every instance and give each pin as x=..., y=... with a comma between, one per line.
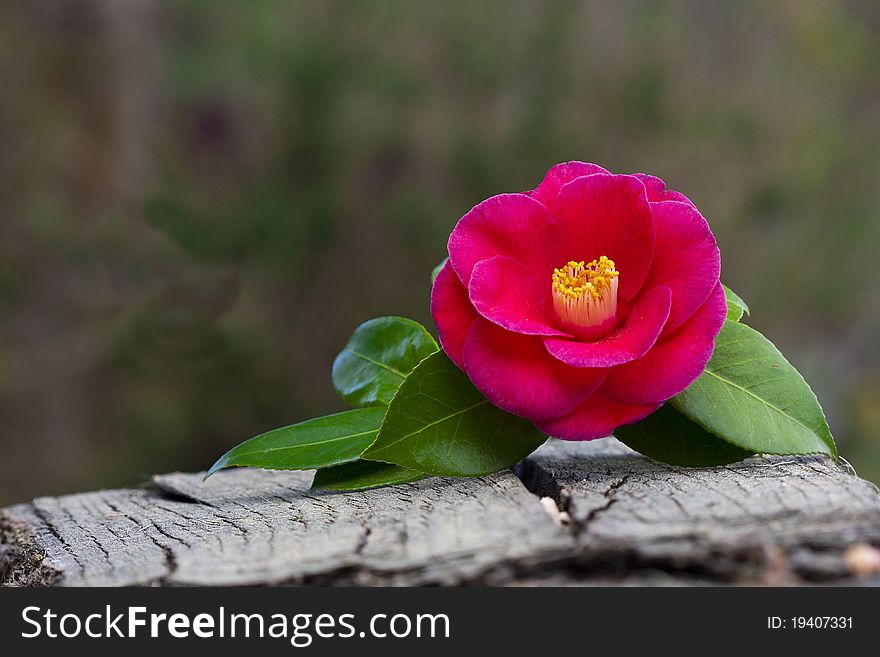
x=585, y=297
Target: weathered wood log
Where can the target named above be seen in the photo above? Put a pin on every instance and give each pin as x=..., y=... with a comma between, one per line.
x=770, y=520
x=571, y=513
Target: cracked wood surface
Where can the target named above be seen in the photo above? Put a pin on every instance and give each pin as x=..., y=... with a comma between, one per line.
x=767, y=520
x=256, y=527
x=770, y=520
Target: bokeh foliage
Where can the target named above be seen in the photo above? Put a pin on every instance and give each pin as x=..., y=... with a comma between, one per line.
x=201, y=200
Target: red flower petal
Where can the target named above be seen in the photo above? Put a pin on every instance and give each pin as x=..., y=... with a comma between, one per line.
x=686, y=259
x=558, y=176
x=597, y=417
x=675, y=361
x=506, y=293
x=627, y=344
x=452, y=312
x=507, y=224
x=603, y=215
x=657, y=191
x=517, y=374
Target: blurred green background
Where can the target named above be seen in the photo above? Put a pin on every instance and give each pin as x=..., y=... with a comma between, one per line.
x=200, y=200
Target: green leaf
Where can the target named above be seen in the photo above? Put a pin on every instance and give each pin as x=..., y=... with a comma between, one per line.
x=379, y=356
x=670, y=437
x=439, y=423
x=437, y=269
x=316, y=443
x=753, y=398
x=358, y=475
x=736, y=307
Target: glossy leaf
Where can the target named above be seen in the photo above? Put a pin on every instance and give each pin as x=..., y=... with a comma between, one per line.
x=358, y=475
x=437, y=269
x=316, y=443
x=439, y=423
x=752, y=397
x=378, y=357
x=736, y=307
x=670, y=437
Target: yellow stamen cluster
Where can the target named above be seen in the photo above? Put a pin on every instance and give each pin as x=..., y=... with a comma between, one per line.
x=577, y=278
x=585, y=296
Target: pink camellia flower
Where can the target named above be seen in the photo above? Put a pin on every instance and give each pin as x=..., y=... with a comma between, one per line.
x=584, y=304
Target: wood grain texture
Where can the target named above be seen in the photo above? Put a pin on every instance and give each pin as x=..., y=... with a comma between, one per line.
x=256, y=527
x=767, y=520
